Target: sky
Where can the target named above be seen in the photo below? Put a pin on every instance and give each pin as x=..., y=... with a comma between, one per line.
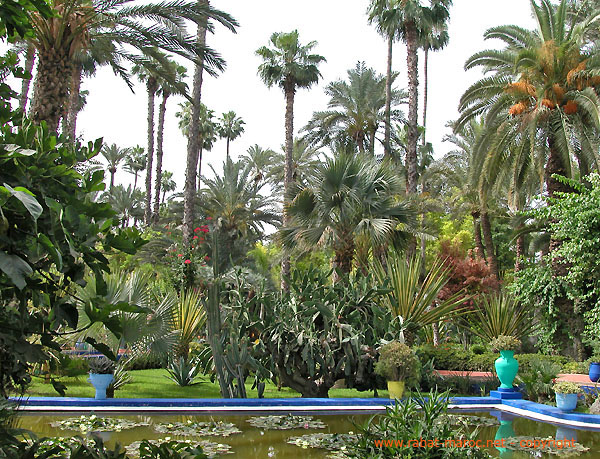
x=344, y=37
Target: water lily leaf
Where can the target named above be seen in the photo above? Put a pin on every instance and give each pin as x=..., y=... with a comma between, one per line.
x=286, y=422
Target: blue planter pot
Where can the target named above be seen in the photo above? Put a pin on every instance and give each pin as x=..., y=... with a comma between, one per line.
x=100, y=383
x=594, y=371
x=566, y=402
x=506, y=368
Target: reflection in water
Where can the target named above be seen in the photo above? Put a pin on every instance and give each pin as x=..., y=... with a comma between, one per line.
x=565, y=433
x=505, y=430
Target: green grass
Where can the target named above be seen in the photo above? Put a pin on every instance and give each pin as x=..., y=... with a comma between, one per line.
x=154, y=384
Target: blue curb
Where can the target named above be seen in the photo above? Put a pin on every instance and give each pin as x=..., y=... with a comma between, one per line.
x=553, y=411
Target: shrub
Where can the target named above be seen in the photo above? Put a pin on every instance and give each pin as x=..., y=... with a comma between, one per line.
x=566, y=387
x=446, y=356
x=575, y=367
x=397, y=362
x=537, y=378
x=482, y=362
x=505, y=343
x=148, y=361
x=478, y=349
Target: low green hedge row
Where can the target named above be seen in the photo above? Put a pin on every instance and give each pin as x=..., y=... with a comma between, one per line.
x=455, y=358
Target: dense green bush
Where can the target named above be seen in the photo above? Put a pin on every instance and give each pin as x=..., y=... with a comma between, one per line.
x=446, y=356
x=147, y=362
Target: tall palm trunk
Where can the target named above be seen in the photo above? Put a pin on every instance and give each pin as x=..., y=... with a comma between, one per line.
x=288, y=177
x=51, y=87
x=228, y=148
x=425, y=83
x=200, y=151
x=479, y=249
x=151, y=86
x=413, y=102
x=159, y=153
x=388, y=100
x=70, y=118
x=520, y=252
x=29, y=62
x=112, y=171
x=135, y=180
x=193, y=146
x=486, y=228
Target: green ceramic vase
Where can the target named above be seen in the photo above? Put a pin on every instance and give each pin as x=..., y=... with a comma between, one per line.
x=506, y=368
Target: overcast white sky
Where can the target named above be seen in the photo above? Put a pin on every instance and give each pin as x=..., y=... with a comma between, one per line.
x=344, y=37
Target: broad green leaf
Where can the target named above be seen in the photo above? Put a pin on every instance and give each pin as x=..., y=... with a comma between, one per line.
x=15, y=268
x=27, y=199
x=103, y=348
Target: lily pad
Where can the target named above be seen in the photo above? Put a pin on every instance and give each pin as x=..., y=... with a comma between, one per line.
x=286, y=422
x=548, y=445
x=198, y=429
x=210, y=448
x=468, y=420
x=330, y=442
x=95, y=423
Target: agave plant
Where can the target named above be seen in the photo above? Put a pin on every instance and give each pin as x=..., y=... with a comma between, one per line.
x=189, y=318
x=183, y=371
x=501, y=315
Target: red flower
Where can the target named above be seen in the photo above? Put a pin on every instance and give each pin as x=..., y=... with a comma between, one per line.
x=196, y=230
x=207, y=258
x=209, y=218
x=195, y=237
x=187, y=262
x=180, y=254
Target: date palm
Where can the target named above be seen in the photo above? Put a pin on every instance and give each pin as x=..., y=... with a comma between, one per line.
x=113, y=155
x=207, y=129
x=135, y=162
x=290, y=65
x=348, y=196
x=168, y=184
x=126, y=202
x=262, y=161
x=134, y=30
x=306, y=159
x=230, y=127
x=167, y=87
x=356, y=111
x=410, y=19
x=542, y=83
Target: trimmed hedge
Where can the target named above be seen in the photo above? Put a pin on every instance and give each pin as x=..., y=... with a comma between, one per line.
x=454, y=358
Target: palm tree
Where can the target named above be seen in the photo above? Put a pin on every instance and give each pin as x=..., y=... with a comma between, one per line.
x=134, y=31
x=261, y=161
x=463, y=169
x=135, y=162
x=126, y=202
x=409, y=19
x=194, y=143
x=543, y=83
x=356, y=111
x=235, y=202
x=166, y=89
x=385, y=17
x=306, y=160
x=230, y=127
x=114, y=155
x=168, y=184
x=207, y=134
x=289, y=65
x=435, y=38
x=348, y=196
x=147, y=75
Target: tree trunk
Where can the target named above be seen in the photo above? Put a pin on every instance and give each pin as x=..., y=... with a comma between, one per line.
x=479, y=250
x=159, y=153
x=29, y=62
x=388, y=100
x=436, y=334
x=193, y=146
x=288, y=178
x=135, y=180
x=568, y=336
x=413, y=102
x=112, y=179
x=520, y=252
x=73, y=110
x=227, y=148
x=151, y=86
x=51, y=87
x=344, y=254
x=489, y=244
x=425, y=82
x=200, y=168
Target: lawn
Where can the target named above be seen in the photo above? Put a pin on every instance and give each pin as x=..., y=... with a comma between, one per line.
x=155, y=384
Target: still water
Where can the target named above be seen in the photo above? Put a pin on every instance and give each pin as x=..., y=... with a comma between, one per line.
x=259, y=443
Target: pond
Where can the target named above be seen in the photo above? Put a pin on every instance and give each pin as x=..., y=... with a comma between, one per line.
x=261, y=442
